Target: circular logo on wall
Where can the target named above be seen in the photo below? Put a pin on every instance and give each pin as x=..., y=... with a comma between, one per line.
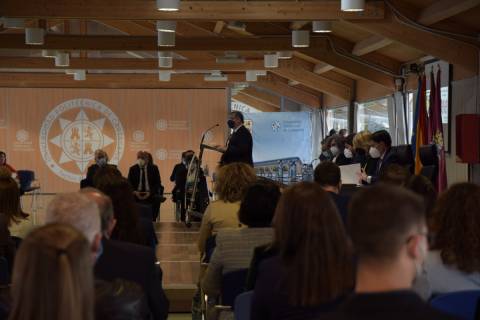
x=161, y=124
x=138, y=136
x=161, y=154
x=72, y=132
x=22, y=135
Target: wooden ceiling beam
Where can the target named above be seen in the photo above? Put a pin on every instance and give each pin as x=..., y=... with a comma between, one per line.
x=263, y=96
x=444, y=9
x=120, y=81
x=255, y=103
x=144, y=43
x=189, y=10
x=370, y=44
x=293, y=70
x=126, y=64
x=279, y=86
x=453, y=51
x=128, y=27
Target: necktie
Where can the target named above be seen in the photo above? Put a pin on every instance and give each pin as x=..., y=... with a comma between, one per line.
x=142, y=179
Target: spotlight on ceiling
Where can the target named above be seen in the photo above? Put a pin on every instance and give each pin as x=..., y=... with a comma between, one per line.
x=322, y=26
x=166, y=26
x=168, y=5
x=34, y=36
x=62, y=59
x=164, y=76
x=49, y=53
x=80, y=75
x=353, y=5
x=285, y=54
x=215, y=76
x=270, y=60
x=237, y=26
x=251, y=75
x=300, y=38
x=166, y=39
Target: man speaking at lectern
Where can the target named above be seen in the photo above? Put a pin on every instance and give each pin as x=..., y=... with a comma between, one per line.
x=240, y=143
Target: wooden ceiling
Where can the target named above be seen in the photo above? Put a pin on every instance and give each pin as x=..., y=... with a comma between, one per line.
x=116, y=42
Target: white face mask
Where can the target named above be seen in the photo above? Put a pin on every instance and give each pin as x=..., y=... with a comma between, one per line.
x=374, y=153
x=334, y=150
x=348, y=153
x=141, y=162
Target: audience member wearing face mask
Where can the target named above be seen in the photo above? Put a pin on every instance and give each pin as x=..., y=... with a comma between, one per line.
x=361, y=148
x=388, y=231
x=337, y=148
x=179, y=177
x=381, y=149
x=101, y=161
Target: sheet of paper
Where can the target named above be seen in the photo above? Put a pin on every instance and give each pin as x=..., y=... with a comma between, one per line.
x=349, y=173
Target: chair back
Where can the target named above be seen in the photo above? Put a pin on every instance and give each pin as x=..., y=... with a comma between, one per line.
x=462, y=304
x=26, y=177
x=429, y=159
x=233, y=284
x=405, y=156
x=243, y=305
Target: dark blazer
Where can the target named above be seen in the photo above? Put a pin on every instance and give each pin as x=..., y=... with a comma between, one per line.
x=341, y=160
x=341, y=202
x=271, y=298
x=134, y=263
x=389, y=158
x=91, y=171
x=395, y=305
x=153, y=173
x=239, y=147
x=179, y=176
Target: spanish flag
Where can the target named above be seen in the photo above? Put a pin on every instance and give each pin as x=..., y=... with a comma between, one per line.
x=420, y=123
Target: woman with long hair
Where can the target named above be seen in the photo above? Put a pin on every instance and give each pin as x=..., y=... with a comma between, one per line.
x=10, y=206
x=313, y=270
x=232, y=182
x=53, y=276
x=453, y=264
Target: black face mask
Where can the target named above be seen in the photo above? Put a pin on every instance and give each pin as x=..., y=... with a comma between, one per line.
x=231, y=124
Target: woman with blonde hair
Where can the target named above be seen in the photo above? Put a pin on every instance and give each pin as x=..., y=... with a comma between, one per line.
x=361, y=147
x=53, y=276
x=232, y=182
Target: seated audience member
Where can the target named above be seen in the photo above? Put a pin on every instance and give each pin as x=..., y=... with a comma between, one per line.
x=4, y=164
x=10, y=206
x=361, y=147
x=423, y=187
x=343, y=133
x=101, y=161
x=326, y=154
x=52, y=277
x=130, y=227
x=381, y=149
x=314, y=269
x=179, y=177
x=120, y=300
x=349, y=151
x=7, y=245
x=327, y=175
x=232, y=182
x=395, y=174
x=234, y=247
x=453, y=264
x=337, y=147
x=123, y=260
x=389, y=235
x=144, y=177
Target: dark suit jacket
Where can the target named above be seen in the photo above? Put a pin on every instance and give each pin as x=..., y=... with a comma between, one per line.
x=271, y=297
x=389, y=158
x=91, y=171
x=153, y=173
x=341, y=202
x=179, y=176
x=395, y=305
x=239, y=147
x=135, y=263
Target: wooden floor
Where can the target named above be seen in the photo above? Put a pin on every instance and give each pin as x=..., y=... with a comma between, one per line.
x=179, y=258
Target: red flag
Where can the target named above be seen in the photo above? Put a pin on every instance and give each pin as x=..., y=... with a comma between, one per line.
x=437, y=134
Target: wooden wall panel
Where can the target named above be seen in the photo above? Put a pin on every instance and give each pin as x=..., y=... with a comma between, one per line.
x=163, y=122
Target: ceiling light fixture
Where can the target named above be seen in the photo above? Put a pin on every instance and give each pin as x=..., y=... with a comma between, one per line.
x=168, y=5
x=353, y=5
x=165, y=62
x=35, y=36
x=13, y=23
x=215, y=76
x=80, y=75
x=166, y=39
x=300, y=38
x=62, y=59
x=251, y=75
x=237, y=25
x=166, y=26
x=322, y=26
x=284, y=54
x=164, y=76
x=270, y=60
x=49, y=53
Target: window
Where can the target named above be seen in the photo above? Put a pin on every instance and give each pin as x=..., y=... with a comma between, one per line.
x=373, y=115
x=337, y=118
